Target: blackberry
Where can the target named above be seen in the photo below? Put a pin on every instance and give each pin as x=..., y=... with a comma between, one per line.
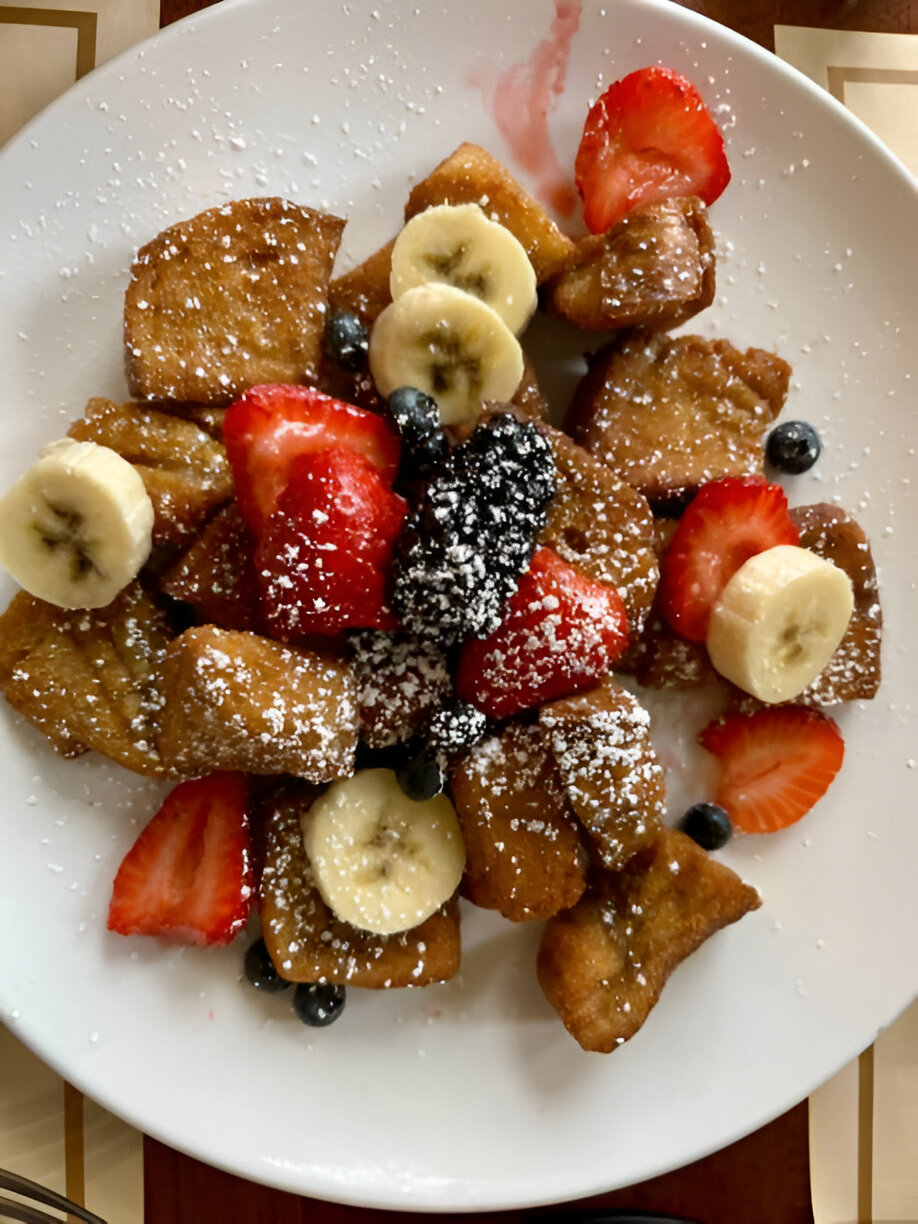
x=319, y=1003
x=418, y=422
x=793, y=447
x=708, y=825
x=463, y=549
x=347, y=339
x=457, y=727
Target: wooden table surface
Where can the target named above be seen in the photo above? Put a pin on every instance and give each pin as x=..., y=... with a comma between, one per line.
x=762, y=1179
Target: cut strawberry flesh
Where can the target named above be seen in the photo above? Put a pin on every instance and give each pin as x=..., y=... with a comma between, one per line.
x=727, y=522
x=324, y=562
x=776, y=763
x=271, y=425
x=560, y=634
x=649, y=137
x=188, y=876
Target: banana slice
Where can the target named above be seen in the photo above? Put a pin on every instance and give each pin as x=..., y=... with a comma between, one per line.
x=778, y=621
x=76, y=527
x=451, y=345
x=456, y=244
x=382, y=861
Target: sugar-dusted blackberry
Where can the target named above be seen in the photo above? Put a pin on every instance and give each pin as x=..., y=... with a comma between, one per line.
x=417, y=420
x=456, y=727
x=347, y=340
x=463, y=549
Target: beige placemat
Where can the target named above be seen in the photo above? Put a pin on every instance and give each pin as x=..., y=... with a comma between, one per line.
x=53, y=1134
x=46, y=45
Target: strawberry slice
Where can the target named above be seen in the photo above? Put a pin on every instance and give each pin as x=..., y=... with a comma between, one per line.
x=270, y=425
x=188, y=876
x=727, y=522
x=560, y=634
x=324, y=561
x=647, y=138
x=776, y=763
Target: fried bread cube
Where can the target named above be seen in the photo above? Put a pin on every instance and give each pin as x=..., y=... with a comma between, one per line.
x=471, y=175
x=89, y=679
x=601, y=743
x=216, y=574
x=184, y=469
x=234, y=700
x=654, y=269
x=524, y=852
x=232, y=297
x=364, y=290
x=669, y=413
x=603, y=964
x=401, y=683
x=308, y=943
x=602, y=525
x=854, y=670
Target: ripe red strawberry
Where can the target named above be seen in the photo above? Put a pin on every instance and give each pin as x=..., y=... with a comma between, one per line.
x=325, y=557
x=272, y=424
x=776, y=763
x=560, y=634
x=727, y=522
x=188, y=875
x=647, y=138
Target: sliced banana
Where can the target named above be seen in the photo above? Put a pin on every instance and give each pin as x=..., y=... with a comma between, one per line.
x=778, y=622
x=77, y=526
x=451, y=345
x=382, y=862
x=456, y=244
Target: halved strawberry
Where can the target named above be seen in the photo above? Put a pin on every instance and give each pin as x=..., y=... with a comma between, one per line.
x=272, y=424
x=776, y=763
x=560, y=634
x=647, y=138
x=188, y=875
x=727, y=522
x=324, y=560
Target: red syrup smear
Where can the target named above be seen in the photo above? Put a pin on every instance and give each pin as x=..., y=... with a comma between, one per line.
x=524, y=95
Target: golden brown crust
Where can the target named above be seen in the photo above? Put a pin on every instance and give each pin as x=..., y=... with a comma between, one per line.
x=603, y=964
x=231, y=297
x=184, y=468
x=524, y=854
x=669, y=413
x=309, y=944
x=364, y=290
x=654, y=269
x=88, y=679
x=611, y=777
x=235, y=700
x=471, y=175
x=216, y=574
x=401, y=682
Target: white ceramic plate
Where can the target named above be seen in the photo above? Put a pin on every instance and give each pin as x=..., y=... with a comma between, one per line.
x=470, y=1095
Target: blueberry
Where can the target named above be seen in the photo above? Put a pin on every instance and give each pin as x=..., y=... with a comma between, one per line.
x=417, y=420
x=259, y=969
x=422, y=776
x=347, y=339
x=793, y=447
x=456, y=727
x=319, y=1003
x=708, y=825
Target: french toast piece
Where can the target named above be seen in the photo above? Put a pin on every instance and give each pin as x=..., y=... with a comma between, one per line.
x=88, y=679
x=216, y=574
x=232, y=297
x=611, y=777
x=470, y=175
x=184, y=469
x=524, y=854
x=528, y=396
x=603, y=964
x=235, y=700
x=308, y=943
x=602, y=525
x=401, y=683
x=668, y=413
x=854, y=671
x=654, y=269
x=364, y=290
